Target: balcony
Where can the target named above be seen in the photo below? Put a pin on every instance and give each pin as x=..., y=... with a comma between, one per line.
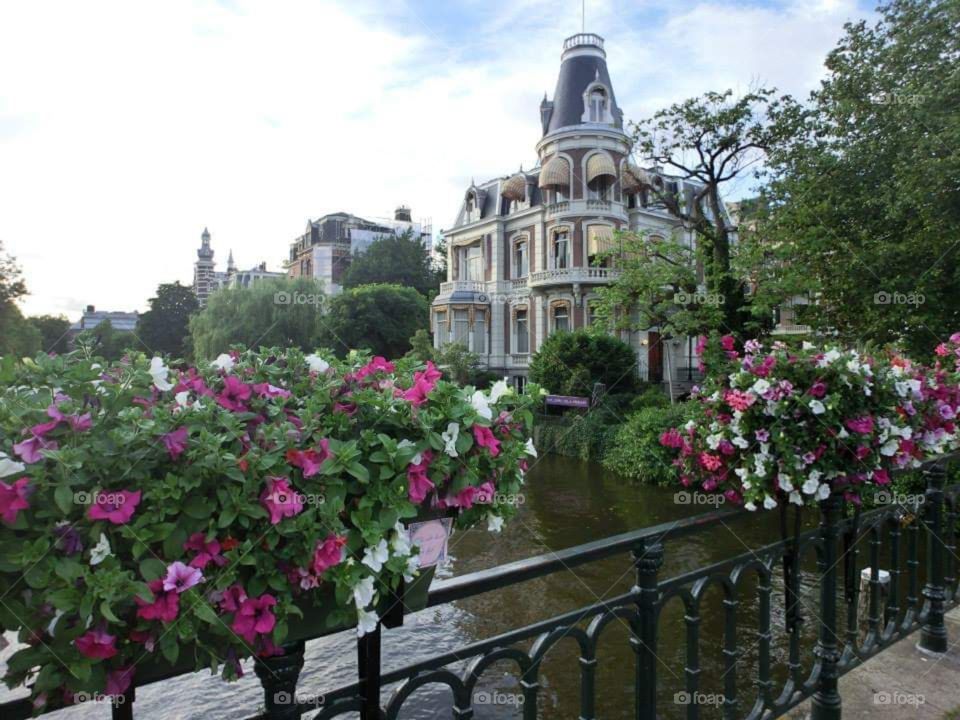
x=602, y=205
x=568, y=276
x=475, y=286
x=557, y=208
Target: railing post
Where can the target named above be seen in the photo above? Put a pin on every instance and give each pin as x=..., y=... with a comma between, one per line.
x=278, y=676
x=933, y=634
x=647, y=558
x=368, y=665
x=826, y=699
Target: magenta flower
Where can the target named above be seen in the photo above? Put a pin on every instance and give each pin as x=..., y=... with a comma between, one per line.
x=30, y=449
x=671, y=439
x=13, y=499
x=207, y=552
x=176, y=442
x=79, y=423
x=280, y=499
x=235, y=394
x=118, y=681
x=96, y=644
x=485, y=439
x=165, y=606
x=254, y=617
x=309, y=461
x=266, y=390
x=328, y=553
x=881, y=477
x=818, y=389
x=418, y=484
x=378, y=364
x=233, y=598
x=862, y=425
x=423, y=384
x=471, y=494
x=116, y=506
x=181, y=578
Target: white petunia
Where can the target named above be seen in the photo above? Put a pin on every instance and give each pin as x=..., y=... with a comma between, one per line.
x=741, y=442
x=9, y=467
x=413, y=565
x=375, y=557
x=182, y=398
x=531, y=450
x=101, y=551
x=494, y=523
x=480, y=404
x=450, y=439
x=367, y=621
x=796, y=498
x=363, y=593
x=499, y=389
x=817, y=407
x=317, y=364
x=823, y=492
x=890, y=447
x=761, y=386
x=751, y=506
x=158, y=371
x=401, y=543
x=223, y=362
x=769, y=503
x=785, y=484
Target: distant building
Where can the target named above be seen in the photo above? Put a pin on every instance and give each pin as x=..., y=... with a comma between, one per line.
x=207, y=280
x=528, y=251
x=91, y=318
x=324, y=251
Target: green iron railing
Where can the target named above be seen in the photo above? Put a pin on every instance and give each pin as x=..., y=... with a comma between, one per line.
x=837, y=543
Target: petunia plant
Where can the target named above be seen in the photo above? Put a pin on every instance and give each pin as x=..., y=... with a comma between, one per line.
x=193, y=516
x=782, y=425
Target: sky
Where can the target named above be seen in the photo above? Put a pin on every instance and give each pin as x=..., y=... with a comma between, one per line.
x=127, y=126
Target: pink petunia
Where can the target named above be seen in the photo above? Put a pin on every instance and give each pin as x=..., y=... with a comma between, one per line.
x=118, y=681
x=423, y=384
x=328, y=553
x=378, y=364
x=207, y=552
x=671, y=439
x=818, y=389
x=862, y=425
x=418, y=484
x=96, y=644
x=485, y=439
x=180, y=577
x=232, y=598
x=235, y=394
x=117, y=506
x=165, y=606
x=255, y=617
x=280, y=499
x=309, y=461
x=266, y=390
x=30, y=450
x=13, y=499
x=176, y=442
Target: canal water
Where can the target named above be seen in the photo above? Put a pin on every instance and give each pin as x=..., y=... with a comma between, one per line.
x=566, y=503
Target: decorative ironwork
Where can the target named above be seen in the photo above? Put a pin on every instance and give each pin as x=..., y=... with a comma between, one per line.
x=641, y=610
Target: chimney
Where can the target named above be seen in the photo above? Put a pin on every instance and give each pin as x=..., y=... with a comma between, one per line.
x=403, y=214
x=90, y=308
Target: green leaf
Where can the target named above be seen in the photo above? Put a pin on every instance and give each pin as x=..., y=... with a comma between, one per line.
x=359, y=472
x=206, y=613
x=152, y=569
x=197, y=508
x=68, y=569
x=107, y=612
x=63, y=497
x=226, y=518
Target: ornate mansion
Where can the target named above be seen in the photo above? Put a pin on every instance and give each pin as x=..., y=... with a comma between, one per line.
x=523, y=254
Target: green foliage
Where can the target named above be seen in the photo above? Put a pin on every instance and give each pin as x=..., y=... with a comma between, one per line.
x=864, y=184
x=585, y=437
x=283, y=312
x=379, y=318
x=635, y=452
x=394, y=259
x=11, y=279
x=18, y=336
x=108, y=342
x=570, y=363
x=164, y=328
x=457, y=362
x=54, y=332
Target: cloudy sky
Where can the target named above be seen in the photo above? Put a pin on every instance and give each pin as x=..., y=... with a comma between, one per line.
x=128, y=126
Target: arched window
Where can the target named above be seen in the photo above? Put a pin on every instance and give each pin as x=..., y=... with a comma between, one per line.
x=599, y=243
x=561, y=317
x=520, y=258
x=521, y=331
x=560, y=249
x=598, y=105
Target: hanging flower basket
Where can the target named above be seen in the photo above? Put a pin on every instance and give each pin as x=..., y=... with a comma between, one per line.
x=784, y=425
x=155, y=520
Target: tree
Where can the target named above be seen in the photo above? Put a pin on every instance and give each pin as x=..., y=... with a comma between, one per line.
x=54, y=332
x=709, y=141
x=12, y=286
x=863, y=198
x=394, y=259
x=18, y=337
x=570, y=363
x=440, y=261
x=165, y=327
x=380, y=318
x=109, y=343
x=281, y=312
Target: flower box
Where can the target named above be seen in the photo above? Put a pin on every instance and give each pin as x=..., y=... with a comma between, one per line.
x=155, y=519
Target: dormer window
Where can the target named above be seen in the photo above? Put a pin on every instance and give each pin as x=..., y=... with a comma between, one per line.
x=471, y=208
x=596, y=104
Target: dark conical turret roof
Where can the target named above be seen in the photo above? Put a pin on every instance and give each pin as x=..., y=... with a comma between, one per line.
x=583, y=63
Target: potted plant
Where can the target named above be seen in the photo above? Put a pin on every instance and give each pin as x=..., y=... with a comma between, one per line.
x=157, y=518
